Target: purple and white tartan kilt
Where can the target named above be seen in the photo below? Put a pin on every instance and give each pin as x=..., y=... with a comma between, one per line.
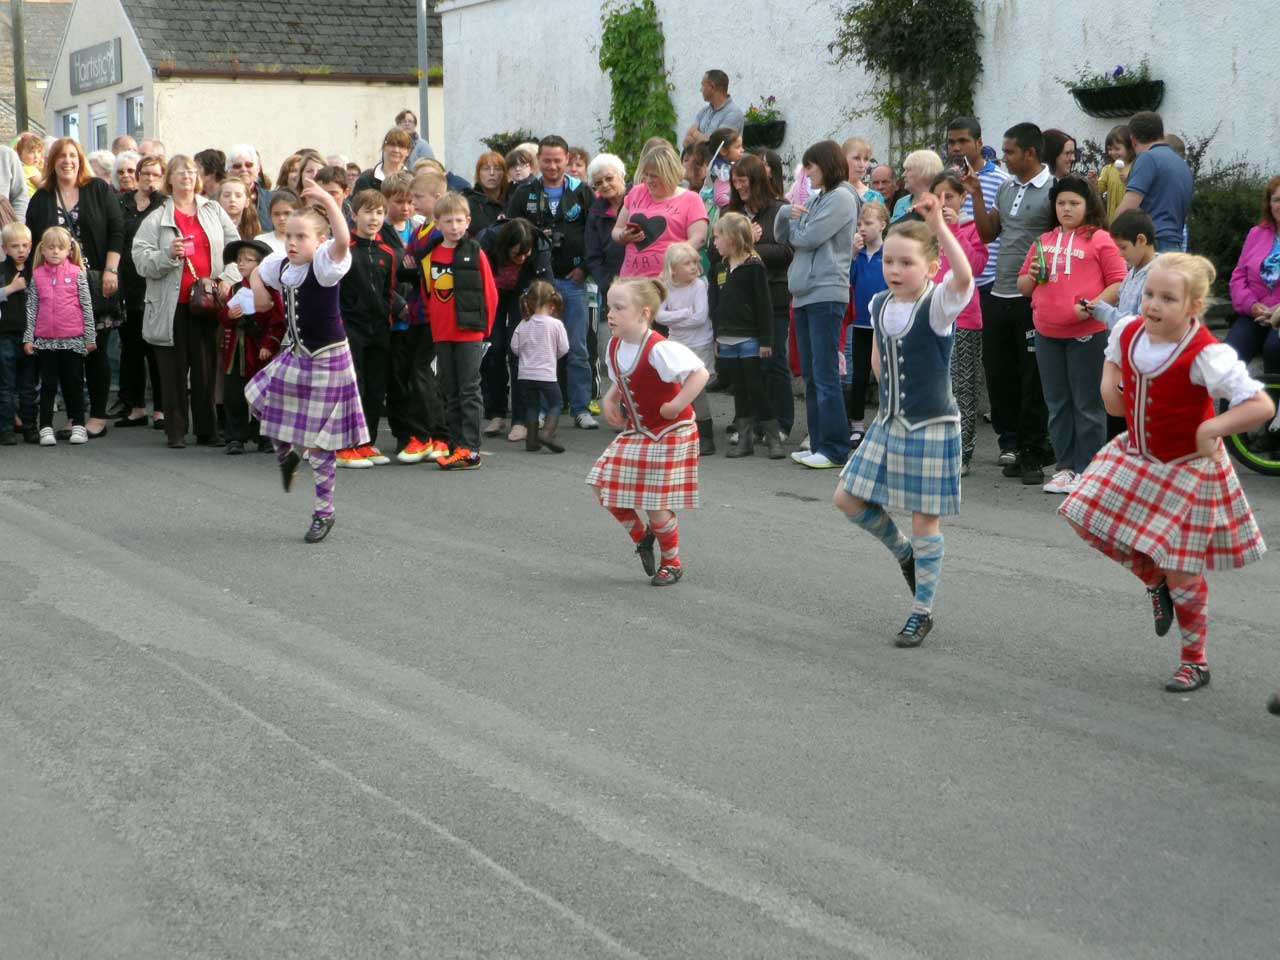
x=309, y=401
x=916, y=470
x=1184, y=516
x=637, y=473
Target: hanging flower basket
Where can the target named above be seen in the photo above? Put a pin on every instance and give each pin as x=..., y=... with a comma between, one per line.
x=1122, y=100
x=769, y=134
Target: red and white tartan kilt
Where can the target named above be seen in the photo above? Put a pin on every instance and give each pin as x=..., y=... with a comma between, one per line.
x=1184, y=516
x=637, y=473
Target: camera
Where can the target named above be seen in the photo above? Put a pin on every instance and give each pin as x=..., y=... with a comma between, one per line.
x=557, y=239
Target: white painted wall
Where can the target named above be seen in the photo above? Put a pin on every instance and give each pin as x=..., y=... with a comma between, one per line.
x=278, y=116
x=512, y=64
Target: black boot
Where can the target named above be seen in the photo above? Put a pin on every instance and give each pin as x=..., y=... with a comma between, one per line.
x=773, y=439
x=531, y=441
x=548, y=434
x=706, y=438
x=746, y=444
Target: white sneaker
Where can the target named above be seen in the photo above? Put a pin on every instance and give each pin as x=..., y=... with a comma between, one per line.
x=47, y=439
x=799, y=456
x=585, y=421
x=494, y=427
x=819, y=461
x=518, y=433
x=1006, y=458
x=1075, y=482
x=1061, y=482
x=79, y=434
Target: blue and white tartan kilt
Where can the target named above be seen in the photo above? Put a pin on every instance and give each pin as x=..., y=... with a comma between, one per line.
x=916, y=470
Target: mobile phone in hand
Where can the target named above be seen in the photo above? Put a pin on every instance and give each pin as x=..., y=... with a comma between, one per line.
x=188, y=246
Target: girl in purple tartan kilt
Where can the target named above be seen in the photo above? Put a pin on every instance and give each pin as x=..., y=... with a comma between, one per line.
x=910, y=457
x=307, y=398
x=1162, y=499
x=650, y=470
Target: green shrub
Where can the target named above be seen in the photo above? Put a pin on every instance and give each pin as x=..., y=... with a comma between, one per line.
x=1223, y=209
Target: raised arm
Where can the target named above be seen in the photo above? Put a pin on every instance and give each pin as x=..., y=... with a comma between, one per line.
x=987, y=221
x=930, y=207
x=340, y=245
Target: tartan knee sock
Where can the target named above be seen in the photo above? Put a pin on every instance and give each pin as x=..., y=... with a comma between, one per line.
x=631, y=520
x=282, y=449
x=1139, y=564
x=880, y=525
x=1190, y=606
x=324, y=466
x=669, y=542
x=928, y=553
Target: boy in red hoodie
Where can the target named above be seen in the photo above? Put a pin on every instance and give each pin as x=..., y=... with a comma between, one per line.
x=461, y=299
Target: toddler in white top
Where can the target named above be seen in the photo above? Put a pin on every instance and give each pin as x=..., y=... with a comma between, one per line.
x=686, y=318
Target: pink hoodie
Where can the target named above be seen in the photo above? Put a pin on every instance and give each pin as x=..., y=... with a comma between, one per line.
x=1247, y=287
x=1081, y=264
x=976, y=253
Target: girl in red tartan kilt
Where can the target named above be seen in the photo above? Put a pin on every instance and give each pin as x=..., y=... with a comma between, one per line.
x=1162, y=499
x=650, y=470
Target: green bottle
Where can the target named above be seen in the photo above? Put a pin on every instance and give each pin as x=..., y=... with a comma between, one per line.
x=1042, y=265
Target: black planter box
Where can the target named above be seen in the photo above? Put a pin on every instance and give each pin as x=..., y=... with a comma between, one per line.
x=1121, y=101
x=769, y=134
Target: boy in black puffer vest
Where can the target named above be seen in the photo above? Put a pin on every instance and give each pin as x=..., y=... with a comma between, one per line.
x=462, y=299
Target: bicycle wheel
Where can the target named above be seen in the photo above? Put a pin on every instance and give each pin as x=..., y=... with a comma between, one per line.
x=1259, y=449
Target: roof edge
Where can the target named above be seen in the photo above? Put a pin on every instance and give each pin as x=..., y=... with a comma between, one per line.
x=168, y=71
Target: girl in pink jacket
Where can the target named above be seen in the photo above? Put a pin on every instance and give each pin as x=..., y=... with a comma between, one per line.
x=60, y=331
x=1255, y=287
x=966, y=355
x=1066, y=270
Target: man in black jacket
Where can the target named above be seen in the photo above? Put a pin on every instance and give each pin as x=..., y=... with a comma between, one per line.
x=557, y=205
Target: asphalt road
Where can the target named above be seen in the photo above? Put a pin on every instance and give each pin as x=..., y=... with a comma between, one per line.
x=465, y=726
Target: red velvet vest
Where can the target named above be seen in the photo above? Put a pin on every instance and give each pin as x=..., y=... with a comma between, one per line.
x=643, y=392
x=1164, y=408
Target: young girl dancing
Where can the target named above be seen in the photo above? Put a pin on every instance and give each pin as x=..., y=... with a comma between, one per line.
x=60, y=331
x=652, y=465
x=307, y=398
x=1162, y=499
x=910, y=458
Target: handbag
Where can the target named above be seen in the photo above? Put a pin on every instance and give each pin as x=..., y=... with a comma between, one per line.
x=204, y=295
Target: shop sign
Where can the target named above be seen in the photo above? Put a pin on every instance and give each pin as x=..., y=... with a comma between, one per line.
x=96, y=67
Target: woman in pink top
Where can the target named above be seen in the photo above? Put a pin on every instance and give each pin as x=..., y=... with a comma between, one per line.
x=1255, y=287
x=966, y=355
x=657, y=213
x=1066, y=270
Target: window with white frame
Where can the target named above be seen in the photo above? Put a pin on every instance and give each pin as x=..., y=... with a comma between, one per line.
x=68, y=124
x=131, y=109
x=98, y=138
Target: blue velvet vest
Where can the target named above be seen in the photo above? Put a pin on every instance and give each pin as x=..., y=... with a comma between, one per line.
x=313, y=315
x=915, y=368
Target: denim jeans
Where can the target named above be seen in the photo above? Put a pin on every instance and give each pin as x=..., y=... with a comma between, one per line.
x=777, y=372
x=747, y=348
x=17, y=382
x=818, y=340
x=575, y=325
x=1250, y=338
x=1071, y=375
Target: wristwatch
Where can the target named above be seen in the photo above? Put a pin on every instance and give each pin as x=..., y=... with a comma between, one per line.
x=109, y=270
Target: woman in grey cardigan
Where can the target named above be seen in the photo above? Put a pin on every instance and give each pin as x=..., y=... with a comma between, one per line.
x=178, y=244
x=822, y=237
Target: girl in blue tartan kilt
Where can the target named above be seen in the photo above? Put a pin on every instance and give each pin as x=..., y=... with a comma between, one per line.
x=910, y=457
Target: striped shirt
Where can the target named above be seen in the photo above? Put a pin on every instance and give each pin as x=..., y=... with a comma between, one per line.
x=990, y=177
